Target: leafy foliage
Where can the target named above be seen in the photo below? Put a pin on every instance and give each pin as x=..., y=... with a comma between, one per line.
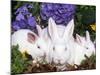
x=18, y=63
x=84, y=17
x=88, y=63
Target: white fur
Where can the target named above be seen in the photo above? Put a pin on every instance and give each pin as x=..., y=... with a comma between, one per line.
x=36, y=48
x=83, y=46
x=60, y=37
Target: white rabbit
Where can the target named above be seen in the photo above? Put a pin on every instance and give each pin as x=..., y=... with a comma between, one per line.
x=28, y=41
x=84, y=46
x=60, y=37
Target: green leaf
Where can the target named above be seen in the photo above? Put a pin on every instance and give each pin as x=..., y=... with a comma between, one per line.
x=18, y=63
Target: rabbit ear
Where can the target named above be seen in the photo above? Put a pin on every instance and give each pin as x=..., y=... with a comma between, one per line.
x=40, y=32
x=78, y=39
x=87, y=36
x=31, y=38
x=69, y=30
x=52, y=29
x=39, y=29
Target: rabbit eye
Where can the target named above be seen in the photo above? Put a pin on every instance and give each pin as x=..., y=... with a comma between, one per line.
x=38, y=47
x=66, y=49
x=53, y=48
x=87, y=48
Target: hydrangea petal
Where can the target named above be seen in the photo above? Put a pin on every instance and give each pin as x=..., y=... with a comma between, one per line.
x=32, y=21
x=20, y=16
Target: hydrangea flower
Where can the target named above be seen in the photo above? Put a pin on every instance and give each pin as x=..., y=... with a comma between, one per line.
x=61, y=13
x=20, y=16
x=15, y=25
x=24, y=19
x=31, y=21
x=24, y=9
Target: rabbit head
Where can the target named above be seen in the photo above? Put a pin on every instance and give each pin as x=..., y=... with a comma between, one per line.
x=29, y=42
x=41, y=44
x=59, y=51
x=86, y=43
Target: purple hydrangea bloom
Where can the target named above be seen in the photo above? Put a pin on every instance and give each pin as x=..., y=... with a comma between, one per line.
x=23, y=24
x=15, y=25
x=31, y=21
x=20, y=16
x=24, y=19
x=24, y=9
x=61, y=13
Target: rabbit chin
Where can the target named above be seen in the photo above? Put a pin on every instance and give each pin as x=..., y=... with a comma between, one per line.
x=59, y=63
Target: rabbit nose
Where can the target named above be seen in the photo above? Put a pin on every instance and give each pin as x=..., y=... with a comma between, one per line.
x=44, y=55
x=52, y=61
